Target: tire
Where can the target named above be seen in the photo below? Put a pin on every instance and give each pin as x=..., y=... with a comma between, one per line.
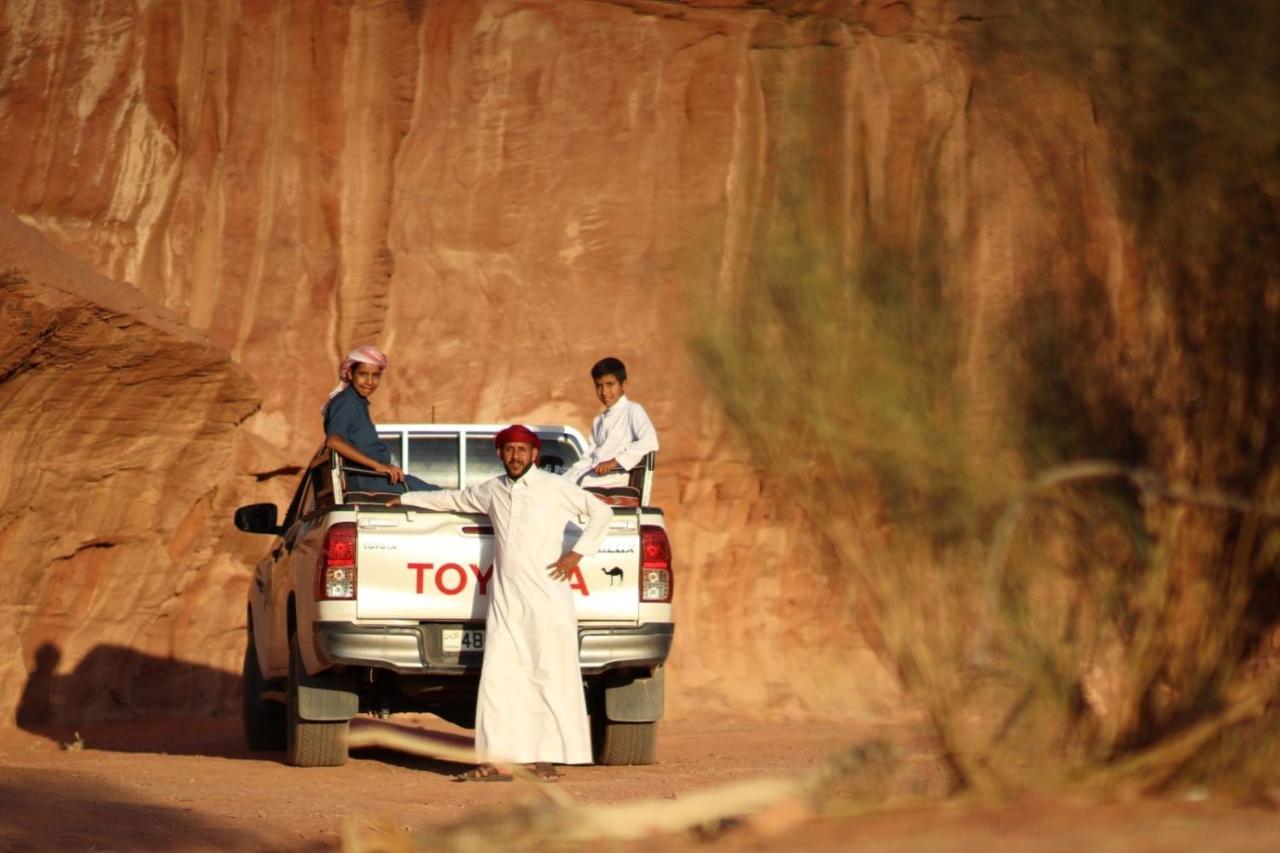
x=310, y=744
x=623, y=743
x=263, y=719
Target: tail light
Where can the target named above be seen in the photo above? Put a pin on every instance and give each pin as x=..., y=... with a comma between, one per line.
x=336, y=568
x=656, y=581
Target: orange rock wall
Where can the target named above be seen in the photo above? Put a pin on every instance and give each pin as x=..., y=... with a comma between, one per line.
x=497, y=193
x=119, y=429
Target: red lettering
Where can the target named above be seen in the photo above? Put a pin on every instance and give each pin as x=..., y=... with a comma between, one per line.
x=462, y=579
x=576, y=582
x=482, y=578
x=420, y=568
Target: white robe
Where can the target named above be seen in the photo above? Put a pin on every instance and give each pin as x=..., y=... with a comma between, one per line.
x=622, y=432
x=531, y=705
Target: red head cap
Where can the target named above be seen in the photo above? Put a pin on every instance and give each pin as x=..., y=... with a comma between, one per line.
x=516, y=432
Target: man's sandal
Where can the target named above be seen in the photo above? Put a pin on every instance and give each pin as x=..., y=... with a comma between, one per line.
x=482, y=773
x=545, y=771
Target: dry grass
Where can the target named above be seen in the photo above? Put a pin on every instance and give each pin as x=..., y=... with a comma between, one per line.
x=1095, y=622
x=1060, y=620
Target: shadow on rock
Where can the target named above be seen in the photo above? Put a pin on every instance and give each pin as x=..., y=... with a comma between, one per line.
x=120, y=700
x=114, y=689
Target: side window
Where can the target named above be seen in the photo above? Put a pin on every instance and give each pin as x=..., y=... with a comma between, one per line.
x=434, y=458
x=320, y=490
x=307, y=497
x=300, y=497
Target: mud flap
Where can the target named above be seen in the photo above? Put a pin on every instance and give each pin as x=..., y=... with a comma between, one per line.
x=639, y=701
x=327, y=698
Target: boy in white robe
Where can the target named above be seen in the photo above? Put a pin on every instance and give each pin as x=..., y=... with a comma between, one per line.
x=621, y=435
x=531, y=708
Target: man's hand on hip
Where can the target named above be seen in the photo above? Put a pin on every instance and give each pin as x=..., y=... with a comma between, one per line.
x=562, y=569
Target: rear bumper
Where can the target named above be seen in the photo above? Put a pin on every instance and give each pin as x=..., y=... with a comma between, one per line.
x=603, y=649
x=417, y=650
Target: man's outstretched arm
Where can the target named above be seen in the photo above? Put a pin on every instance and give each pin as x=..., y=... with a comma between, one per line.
x=446, y=500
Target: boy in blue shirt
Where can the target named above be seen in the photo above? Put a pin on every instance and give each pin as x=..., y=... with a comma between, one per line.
x=349, y=429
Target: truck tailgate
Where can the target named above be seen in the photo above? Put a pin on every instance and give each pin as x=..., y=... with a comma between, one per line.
x=421, y=565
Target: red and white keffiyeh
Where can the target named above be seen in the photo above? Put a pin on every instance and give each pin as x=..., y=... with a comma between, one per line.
x=362, y=355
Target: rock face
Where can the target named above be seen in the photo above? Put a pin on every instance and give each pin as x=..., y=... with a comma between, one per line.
x=120, y=424
x=497, y=193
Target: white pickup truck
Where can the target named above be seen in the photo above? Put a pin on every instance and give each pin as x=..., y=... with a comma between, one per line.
x=359, y=607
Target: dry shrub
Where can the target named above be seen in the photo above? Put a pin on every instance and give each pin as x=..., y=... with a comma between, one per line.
x=1057, y=618
x=841, y=384
x=551, y=819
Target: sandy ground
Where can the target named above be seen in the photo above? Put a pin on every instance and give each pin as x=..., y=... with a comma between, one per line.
x=190, y=784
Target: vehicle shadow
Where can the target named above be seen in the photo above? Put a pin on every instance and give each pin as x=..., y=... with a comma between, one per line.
x=113, y=689
x=120, y=700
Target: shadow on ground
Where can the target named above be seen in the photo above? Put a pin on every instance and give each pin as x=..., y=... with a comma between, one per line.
x=46, y=810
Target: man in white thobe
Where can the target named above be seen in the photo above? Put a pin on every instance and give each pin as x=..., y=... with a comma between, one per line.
x=531, y=708
x=621, y=435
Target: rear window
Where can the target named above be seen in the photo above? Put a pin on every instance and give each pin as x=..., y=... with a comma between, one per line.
x=392, y=440
x=483, y=463
x=434, y=458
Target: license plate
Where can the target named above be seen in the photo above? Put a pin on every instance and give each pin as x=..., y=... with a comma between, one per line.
x=462, y=640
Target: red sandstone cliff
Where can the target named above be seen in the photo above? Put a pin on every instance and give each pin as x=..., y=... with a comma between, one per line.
x=118, y=432
x=497, y=193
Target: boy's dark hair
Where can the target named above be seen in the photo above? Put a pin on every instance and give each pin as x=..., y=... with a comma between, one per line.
x=609, y=366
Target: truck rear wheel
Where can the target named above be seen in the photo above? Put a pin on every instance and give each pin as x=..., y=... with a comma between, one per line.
x=311, y=744
x=623, y=743
x=263, y=718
